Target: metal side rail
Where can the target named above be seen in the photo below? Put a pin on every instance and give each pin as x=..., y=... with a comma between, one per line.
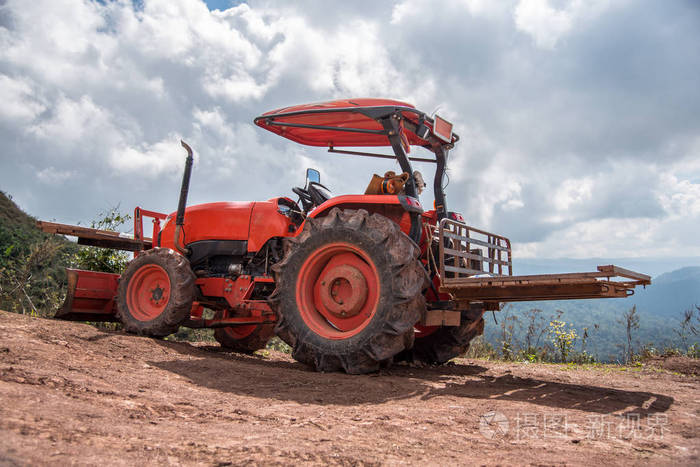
x=472, y=263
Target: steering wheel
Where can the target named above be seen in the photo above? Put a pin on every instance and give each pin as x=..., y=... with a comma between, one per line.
x=305, y=198
x=319, y=193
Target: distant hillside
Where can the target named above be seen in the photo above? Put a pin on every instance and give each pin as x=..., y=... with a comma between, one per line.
x=660, y=308
x=31, y=262
x=670, y=292
x=17, y=229
x=647, y=265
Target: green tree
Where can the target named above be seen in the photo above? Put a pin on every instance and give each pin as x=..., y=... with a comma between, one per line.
x=104, y=259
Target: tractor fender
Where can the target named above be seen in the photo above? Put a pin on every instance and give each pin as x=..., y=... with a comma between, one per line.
x=398, y=208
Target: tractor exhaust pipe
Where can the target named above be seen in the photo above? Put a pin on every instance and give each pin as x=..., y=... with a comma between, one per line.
x=180, y=218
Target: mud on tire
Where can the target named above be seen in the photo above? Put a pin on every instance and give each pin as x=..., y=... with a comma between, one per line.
x=397, y=278
x=447, y=342
x=155, y=293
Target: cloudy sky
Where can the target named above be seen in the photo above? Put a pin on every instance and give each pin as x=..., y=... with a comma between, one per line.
x=579, y=120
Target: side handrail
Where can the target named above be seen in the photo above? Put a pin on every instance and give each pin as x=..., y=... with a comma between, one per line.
x=139, y=214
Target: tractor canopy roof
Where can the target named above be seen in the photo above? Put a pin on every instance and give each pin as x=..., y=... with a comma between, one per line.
x=357, y=122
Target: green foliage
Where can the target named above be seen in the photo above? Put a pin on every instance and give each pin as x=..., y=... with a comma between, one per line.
x=31, y=263
x=278, y=344
x=508, y=324
x=688, y=326
x=184, y=334
x=535, y=328
x=30, y=282
x=480, y=348
x=583, y=356
x=567, y=343
x=104, y=259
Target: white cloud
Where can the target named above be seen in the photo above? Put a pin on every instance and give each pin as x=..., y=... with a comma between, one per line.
x=348, y=61
x=588, y=149
x=53, y=176
x=544, y=23
x=416, y=8
x=19, y=104
x=547, y=24
x=572, y=192
x=149, y=160
x=680, y=197
x=73, y=121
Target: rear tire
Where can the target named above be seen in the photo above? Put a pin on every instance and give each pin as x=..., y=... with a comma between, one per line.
x=348, y=292
x=447, y=342
x=246, y=339
x=155, y=293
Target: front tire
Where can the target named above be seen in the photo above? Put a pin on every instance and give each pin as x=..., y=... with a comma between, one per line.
x=349, y=291
x=155, y=293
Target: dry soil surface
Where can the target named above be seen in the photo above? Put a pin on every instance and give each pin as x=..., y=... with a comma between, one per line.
x=72, y=394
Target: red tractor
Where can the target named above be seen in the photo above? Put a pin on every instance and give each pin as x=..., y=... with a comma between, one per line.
x=350, y=282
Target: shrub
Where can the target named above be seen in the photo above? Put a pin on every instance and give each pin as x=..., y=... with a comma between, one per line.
x=562, y=337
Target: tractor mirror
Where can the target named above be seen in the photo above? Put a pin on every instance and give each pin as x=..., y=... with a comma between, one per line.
x=312, y=175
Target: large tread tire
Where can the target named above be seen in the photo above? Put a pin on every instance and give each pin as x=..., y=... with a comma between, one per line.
x=401, y=278
x=179, y=291
x=256, y=340
x=447, y=342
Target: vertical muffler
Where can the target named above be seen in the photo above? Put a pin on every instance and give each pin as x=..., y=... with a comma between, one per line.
x=184, y=189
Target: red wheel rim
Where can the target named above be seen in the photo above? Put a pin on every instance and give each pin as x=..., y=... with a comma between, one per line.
x=148, y=292
x=337, y=291
x=238, y=332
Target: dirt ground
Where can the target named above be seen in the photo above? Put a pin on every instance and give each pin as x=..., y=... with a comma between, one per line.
x=72, y=394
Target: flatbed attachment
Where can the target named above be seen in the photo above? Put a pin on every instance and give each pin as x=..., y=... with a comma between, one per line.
x=96, y=237
x=604, y=283
x=476, y=265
